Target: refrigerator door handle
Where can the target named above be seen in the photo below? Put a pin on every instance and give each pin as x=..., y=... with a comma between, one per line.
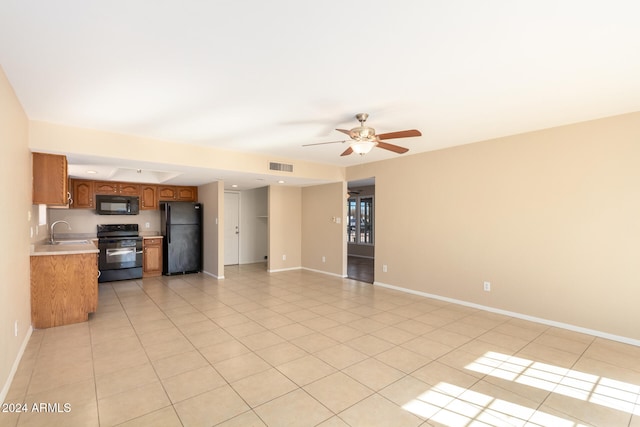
x=167, y=218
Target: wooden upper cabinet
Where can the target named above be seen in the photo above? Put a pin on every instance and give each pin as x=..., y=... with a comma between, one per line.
x=167, y=193
x=148, y=197
x=82, y=194
x=187, y=194
x=128, y=189
x=105, y=187
x=50, y=183
x=84, y=191
x=177, y=193
x=124, y=188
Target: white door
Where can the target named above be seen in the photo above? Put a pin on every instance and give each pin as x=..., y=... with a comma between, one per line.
x=231, y=228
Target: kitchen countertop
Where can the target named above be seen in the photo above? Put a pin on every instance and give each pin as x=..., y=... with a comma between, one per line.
x=42, y=249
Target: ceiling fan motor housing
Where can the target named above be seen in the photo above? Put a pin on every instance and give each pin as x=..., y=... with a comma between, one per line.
x=362, y=133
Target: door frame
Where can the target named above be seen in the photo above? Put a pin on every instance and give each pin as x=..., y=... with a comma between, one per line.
x=237, y=193
x=362, y=183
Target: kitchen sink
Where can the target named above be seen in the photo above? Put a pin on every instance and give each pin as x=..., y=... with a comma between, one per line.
x=70, y=242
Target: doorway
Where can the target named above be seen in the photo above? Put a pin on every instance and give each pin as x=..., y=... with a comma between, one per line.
x=361, y=230
x=231, y=228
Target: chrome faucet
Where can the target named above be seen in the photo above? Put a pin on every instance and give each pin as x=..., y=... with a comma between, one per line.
x=52, y=238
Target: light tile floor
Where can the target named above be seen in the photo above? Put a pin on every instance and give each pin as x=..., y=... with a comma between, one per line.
x=300, y=348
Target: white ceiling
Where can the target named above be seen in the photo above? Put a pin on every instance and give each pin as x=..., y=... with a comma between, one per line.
x=270, y=76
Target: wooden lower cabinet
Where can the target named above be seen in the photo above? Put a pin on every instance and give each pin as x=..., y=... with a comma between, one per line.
x=64, y=289
x=151, y=256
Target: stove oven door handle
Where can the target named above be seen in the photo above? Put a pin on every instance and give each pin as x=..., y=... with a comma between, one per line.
x=118, y=252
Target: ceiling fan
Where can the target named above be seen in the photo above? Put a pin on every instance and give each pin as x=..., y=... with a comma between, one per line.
x=364, y=138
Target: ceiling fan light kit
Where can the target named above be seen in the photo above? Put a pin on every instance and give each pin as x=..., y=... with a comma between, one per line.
x=362, y=147
x=364, y=138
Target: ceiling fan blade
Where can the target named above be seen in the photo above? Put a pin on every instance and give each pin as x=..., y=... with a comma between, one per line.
x=322, y=143
x=347, y=132
x=347, y=152
x=391, y=147
x=400, y=134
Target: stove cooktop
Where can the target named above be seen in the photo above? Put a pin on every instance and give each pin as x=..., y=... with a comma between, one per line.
x=117, y=230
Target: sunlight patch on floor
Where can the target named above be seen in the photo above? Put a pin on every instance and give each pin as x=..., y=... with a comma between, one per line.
x=591, y=388
x=455, y=406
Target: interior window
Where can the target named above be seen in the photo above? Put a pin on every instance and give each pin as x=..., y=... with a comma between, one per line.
x=360, y=220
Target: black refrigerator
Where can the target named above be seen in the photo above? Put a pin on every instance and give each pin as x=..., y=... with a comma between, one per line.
x=181, y=226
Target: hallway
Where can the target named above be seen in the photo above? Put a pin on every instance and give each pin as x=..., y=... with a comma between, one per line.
x=360, y=269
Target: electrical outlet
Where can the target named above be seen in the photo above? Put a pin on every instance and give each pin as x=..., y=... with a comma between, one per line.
x=384, y=268
x=487, y=286
x=147, y=225
x=284, y=257
x=324, y=259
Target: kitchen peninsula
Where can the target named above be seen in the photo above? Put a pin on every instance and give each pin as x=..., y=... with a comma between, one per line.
x=64, y=283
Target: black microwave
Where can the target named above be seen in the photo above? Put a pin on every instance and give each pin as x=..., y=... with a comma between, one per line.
x=107, y=204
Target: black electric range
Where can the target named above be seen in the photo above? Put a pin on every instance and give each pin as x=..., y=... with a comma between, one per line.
x=120, y=255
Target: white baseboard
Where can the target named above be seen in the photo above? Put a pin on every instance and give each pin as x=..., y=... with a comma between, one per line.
x=16, y=363
x=324, y=272
x=547, y=322
x=284, y=269
x=212, y=275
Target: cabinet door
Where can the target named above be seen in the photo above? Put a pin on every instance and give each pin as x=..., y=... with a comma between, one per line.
x=50, y=183
x=129, y=189
x=64, y=289
x=105, y=187
x=167, y=192
x=187, y=194
x=82, y=194
x=148, y=198
x=152, y=257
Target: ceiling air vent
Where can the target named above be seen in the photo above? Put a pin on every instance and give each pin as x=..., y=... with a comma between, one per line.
x=283, y=167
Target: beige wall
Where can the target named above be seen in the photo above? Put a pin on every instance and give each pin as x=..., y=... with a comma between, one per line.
x=322, y=235
x=285, y=228
x=550, y=218
x=15, y=174
x=84, y=222
x=212, y=198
